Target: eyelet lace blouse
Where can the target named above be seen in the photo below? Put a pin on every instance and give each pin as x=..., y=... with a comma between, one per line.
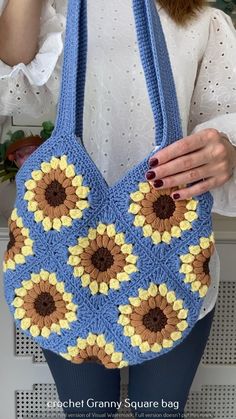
x=118, y=121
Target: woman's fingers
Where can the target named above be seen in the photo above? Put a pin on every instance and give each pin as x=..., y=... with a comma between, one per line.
x=178, y=165
x=181, y=147
x=194, y=190
x=187, y=177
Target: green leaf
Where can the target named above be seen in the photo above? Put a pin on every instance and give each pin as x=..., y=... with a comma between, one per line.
x=48, y=126
x=17, y=135
x=7, y=177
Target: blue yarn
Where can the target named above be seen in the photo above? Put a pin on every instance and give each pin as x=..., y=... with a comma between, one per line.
x=157, y=263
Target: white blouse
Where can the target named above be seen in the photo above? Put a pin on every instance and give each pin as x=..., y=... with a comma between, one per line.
x=118, y=121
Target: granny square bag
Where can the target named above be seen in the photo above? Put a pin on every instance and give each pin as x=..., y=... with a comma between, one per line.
x=116, y=275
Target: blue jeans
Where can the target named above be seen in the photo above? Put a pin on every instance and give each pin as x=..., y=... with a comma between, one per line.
x=167, y=378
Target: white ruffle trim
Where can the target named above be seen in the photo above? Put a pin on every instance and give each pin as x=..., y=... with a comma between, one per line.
x=39, y=70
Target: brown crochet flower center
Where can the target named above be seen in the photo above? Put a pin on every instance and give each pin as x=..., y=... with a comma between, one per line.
x=155, y=320
x=55, y=193
x=205, y=266
x=44, y=304
x=102, y=259
x=11, y=241
x=164, y=207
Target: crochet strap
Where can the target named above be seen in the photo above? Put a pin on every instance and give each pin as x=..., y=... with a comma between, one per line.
x=155, y=61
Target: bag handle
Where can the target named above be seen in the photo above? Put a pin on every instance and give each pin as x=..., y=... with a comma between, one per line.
x=156, y=65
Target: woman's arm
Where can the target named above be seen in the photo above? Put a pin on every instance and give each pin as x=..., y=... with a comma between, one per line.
x=19, y=31
x=207, y=158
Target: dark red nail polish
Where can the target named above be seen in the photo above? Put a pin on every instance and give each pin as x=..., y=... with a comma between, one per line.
x=158, y=183
x=176, y=196
x=150, y=175
x=153, y=163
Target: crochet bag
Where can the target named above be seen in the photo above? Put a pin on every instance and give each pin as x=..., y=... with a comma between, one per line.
x=116, y=275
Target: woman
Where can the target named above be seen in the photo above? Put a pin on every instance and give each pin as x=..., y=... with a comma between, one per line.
x=201, y=43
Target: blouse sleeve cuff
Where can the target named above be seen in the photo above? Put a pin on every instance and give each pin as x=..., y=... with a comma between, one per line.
x=40, y=69
x=225, y=195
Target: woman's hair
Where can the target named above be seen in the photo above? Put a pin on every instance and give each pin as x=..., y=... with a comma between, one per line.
x=181, y=11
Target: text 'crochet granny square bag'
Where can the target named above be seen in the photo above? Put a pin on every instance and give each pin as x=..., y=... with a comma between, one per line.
x=115, y=275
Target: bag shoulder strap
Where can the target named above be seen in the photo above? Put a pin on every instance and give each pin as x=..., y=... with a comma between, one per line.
x=155, y=61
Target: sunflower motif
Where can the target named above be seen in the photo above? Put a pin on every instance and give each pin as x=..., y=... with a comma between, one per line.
x=159, y=216
x=155, y=319
x=43, y=306
x=195, y=265
x=95, y=348
x=102, y=259
x=20, y=244
x=55, y=194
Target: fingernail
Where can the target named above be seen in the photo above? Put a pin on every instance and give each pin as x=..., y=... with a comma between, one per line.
x=158, y=183
x=153, y=163
x=150, y=175
x=176, y=196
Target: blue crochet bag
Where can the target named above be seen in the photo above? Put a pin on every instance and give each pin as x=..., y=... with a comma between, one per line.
x=115, y=275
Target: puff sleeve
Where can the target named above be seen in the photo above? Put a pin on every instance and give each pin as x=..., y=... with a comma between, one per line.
x=213, y=102
x=32, y=89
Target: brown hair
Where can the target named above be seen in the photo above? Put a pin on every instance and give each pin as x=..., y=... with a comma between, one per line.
x=181, y=11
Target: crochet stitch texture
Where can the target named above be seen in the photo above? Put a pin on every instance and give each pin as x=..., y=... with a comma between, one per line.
x=118, y=274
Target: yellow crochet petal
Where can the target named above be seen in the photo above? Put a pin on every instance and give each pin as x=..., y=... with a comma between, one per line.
x=111, y=231
x=76, y=214
x=66, y=221
x=153, y=290
x=185, y=225
x=123, y=320
x=144, y=187
x=70, y=171
x=137, y=196
x=101, y=341
x=73, y=350
x=203, y=290
x=46, y=167
x=34, y=330
x=30, y=184
x=63, y=162
x=77, y=181
x=116, y=357
x=56, y=224
x=45, y=332
x=37, y=175
x=19, y=313
x=103, y=288
x=114, y=283
x=136, y=340
x=85, y=280
x=135, y=301
x=134, y=208
x=156, y=347
x=54, y=162
x=166, y=237
x=129, y=330
x=126, y=309
x=190, y=216
x=109, y=348
x=144, y=347
x=94, y=287
x=156, y=237
x=147, y=230
x=120, y=239
x=25, y=323
x=78, y=271
x=163, y=289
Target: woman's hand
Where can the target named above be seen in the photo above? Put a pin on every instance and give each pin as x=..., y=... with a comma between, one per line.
x=206, y=159
x=19, y=31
